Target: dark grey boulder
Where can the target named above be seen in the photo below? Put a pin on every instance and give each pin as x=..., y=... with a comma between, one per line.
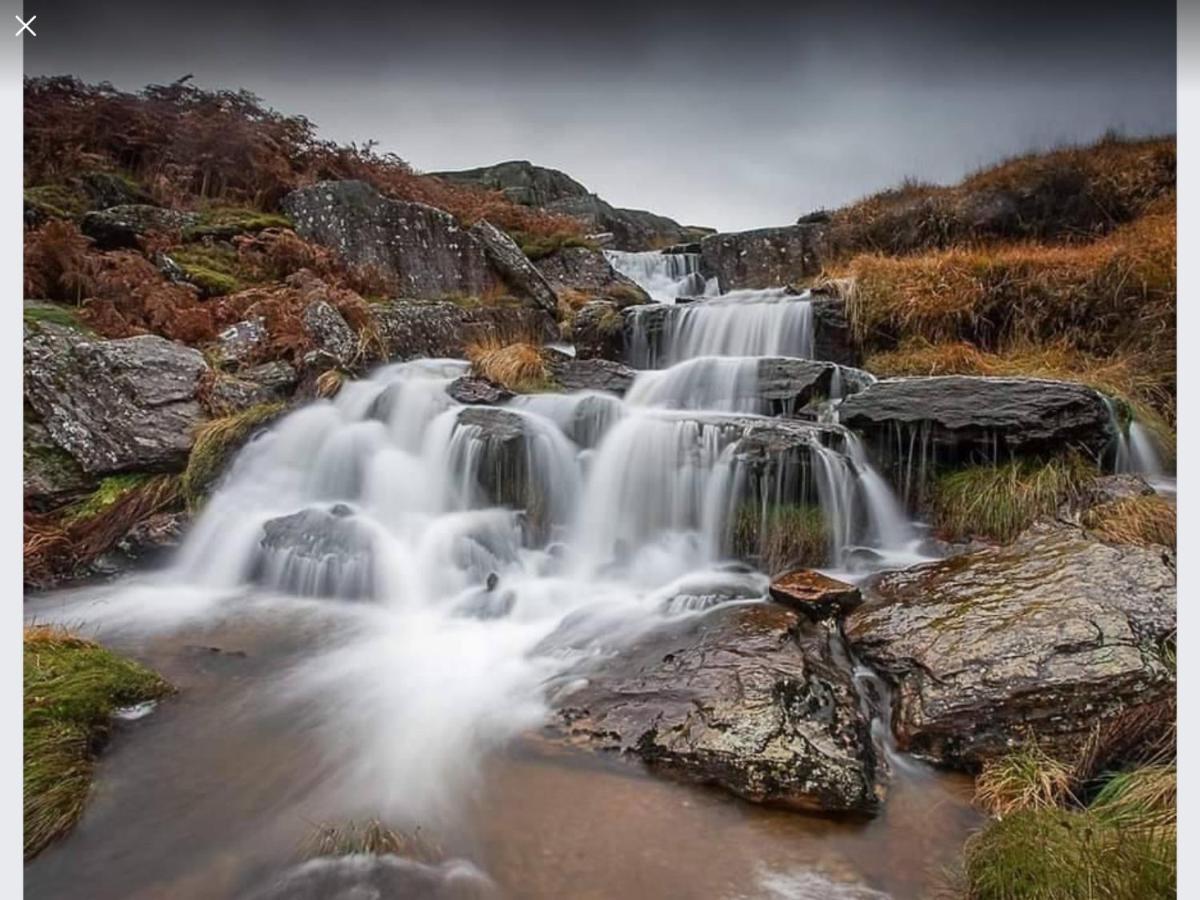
x=478, y=391
x=105, y=190
x=123, y=405
x=52, y=477
x=961, y=418
x=123, y=226
x=746, y=696
x=598, y=331
x=266, y=383
x=1042, y=639
x=411, y=330
x=422, y=251
x=571, y=374
x=149, y=542
x=514, y=268
x=832, y=338
x=588, y=272
x=763, y=258
x=316, y=553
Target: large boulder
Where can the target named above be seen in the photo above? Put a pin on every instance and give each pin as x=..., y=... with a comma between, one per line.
x=747, y=697
x=763, y=258
x=52, y=477
x=957, y=418
x=420, y=250
x=123, y=405
x=589, y=272
x=513, y=266
x=572, y=374
x=123, y=226
x=411, y=330
x=549, y=189
x=1042, y=639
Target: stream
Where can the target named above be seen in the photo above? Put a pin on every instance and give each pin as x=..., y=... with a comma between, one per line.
x=360, y=625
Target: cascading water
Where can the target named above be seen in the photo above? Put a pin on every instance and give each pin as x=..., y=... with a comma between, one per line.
x=739, y=323
x=1135, y=451
x=664, y=276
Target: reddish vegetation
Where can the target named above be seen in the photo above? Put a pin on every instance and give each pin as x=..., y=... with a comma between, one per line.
x=188, y=146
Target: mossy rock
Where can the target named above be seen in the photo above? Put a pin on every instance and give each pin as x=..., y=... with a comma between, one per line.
x=36, y=312
x=54, y=201
x=72, y=687
x=224, y=223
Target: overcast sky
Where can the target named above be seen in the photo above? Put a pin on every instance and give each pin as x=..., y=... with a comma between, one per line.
x=733, y=115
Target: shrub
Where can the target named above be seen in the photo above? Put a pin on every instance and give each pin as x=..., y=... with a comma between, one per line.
x=71, y=687
x=216, y=442
x=1026, y=779
x=999, y=502
x=57, y=263
x=787, y=536
x=1134, y=520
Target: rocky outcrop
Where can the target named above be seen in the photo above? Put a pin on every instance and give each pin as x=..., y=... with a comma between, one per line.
x=786, y=385
x=123, y=226
x=1040, y=639
x=329, y=331
x=598, y=331
x=747, y=697
x=514, y=268
x=957, y=418
x=549, y=189
x=421, y=250
x=572, y=374
x=52, y=477
x=123, y=405
x=814, y=594
x=588, y=272
x=443, y=330
x=264, y=383
x=764, y=258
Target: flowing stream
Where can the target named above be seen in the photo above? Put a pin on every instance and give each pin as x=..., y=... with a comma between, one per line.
x=365, y=617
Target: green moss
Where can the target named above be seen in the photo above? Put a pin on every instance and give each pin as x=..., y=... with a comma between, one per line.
x=56, y=201
x=216, y=442
x=109, y=491
x=225, y=222
x=999, y=502
x=788, y=536
x=214, y=268
x=537, y=247
x=67, y=316
x=71, y=687
x=1056, y=854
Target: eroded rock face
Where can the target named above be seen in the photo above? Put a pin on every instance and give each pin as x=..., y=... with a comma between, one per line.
x=513, y=266
x=763, y=258
x=122, y=226
x=443, y=330
x=832, y=337
x=956, y=418
x=746, y=696
x=122, y=405
x=422, y=250
x=1045, y=638
x=589, y=272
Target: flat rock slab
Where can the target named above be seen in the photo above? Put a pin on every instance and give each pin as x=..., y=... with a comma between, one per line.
x=815, y=595
x=746, y=696
x=1044, y=638
x=122, y=405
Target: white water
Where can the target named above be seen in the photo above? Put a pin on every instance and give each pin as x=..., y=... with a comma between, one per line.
x=1137, y=452
x=709, y=382
x=664, y=276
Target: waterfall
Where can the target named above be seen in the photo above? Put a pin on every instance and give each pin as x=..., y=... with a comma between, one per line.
x=664, y=276
x=1135, y=450
x=709, y=382
x=740, y=323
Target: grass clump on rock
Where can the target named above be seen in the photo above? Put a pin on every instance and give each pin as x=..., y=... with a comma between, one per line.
x=518, y=366
x=225, y=222
x=216, y=441
x=788, y=536
x=1026, y=779
x=1133, y=520
x=999, y=502
x=71, y=688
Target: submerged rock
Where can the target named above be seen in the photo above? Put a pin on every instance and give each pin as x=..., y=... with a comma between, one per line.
x=960, y=418
x=816, y=595
x=121, y=405
x=316, y=553
x=747, y=697
x=361, y=876
x=1043, y=638
x=763, y=258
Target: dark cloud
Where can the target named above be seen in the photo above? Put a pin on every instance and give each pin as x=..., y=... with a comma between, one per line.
x=733, y=114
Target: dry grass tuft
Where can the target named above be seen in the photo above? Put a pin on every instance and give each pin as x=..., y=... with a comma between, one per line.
x=1143, y=799
x=216, y=442
x=372, y=837
x=330, y=382
x=1134, y=520
x=519, y=366
x=1026, y=779
x=1136, y=736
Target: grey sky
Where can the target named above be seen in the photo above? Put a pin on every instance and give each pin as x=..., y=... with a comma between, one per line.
x=732, y=115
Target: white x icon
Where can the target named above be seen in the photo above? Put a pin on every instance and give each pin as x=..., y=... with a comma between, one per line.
x=25, y=26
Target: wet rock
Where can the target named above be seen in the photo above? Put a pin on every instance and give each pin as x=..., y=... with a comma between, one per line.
x=122, y=226
x=598, y=331
x=378, y=877
x=148, y=542
x=478, y=391
x=329, y=331
x=815, y=595
x=121, y=405
x=514, y=268
x=787, y=385
x=1043, y=638
x=52, y=477
x=422, y=251
x=589, y=272
x=747, y=697
x=316, y=553
x=763, y=258
x=572, y=374
x=957, y=418
x=264, y=383
x=832, y=337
